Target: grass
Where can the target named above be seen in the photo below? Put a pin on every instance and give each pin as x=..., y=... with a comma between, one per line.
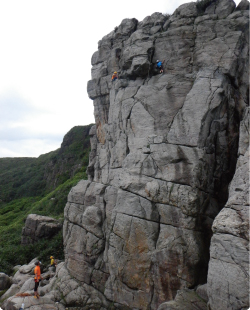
x=26, y=187
x=12, y=219
x=53, y=204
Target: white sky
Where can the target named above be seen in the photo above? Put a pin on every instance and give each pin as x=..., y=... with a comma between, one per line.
x=45, y=63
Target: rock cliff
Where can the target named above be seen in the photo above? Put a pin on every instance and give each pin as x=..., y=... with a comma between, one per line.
x=164, y=151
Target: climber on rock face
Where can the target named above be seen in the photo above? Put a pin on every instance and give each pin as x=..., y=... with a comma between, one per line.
x=38, y=278
x=114, y=76
x=159, y=65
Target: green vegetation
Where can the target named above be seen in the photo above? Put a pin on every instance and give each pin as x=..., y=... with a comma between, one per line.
x=31, y=177
x=21, y=177
x=41, y=186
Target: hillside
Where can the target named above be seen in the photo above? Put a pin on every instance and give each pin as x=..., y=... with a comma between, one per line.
x=27, y=186
x=30, y=177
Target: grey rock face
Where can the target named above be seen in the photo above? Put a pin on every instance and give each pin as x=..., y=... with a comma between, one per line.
x=38, y=227
x=185, y=299
x=202, y=292
x=10, y=292
x=228, y=275
x=243, y=5
x=164, y=150
x=221, y=8
x=43, y=303
x=24, y=273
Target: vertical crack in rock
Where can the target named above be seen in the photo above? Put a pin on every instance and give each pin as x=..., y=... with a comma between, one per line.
x=229, y=244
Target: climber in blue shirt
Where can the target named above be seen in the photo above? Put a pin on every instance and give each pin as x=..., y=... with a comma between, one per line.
x=159, y=65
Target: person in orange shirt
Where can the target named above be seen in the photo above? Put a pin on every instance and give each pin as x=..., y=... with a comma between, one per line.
x=114, y=76
x=37, y=278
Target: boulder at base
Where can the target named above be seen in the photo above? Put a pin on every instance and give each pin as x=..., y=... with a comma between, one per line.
x=38, y=227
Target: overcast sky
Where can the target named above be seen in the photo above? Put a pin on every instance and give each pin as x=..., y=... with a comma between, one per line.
x=45, y=63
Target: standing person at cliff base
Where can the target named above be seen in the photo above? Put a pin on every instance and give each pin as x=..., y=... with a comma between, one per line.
x=114, y=76
x=52, y=261
x=37, y=278
x=159, y=65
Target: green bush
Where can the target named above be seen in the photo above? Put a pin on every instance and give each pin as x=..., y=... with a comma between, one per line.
x=24, y=190
x=12, y=219
x=17, y=254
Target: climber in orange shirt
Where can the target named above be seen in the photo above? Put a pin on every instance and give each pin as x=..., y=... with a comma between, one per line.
x=37, y=278
x=114, y=76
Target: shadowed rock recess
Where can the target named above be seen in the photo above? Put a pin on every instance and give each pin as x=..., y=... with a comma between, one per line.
x=163, y=153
